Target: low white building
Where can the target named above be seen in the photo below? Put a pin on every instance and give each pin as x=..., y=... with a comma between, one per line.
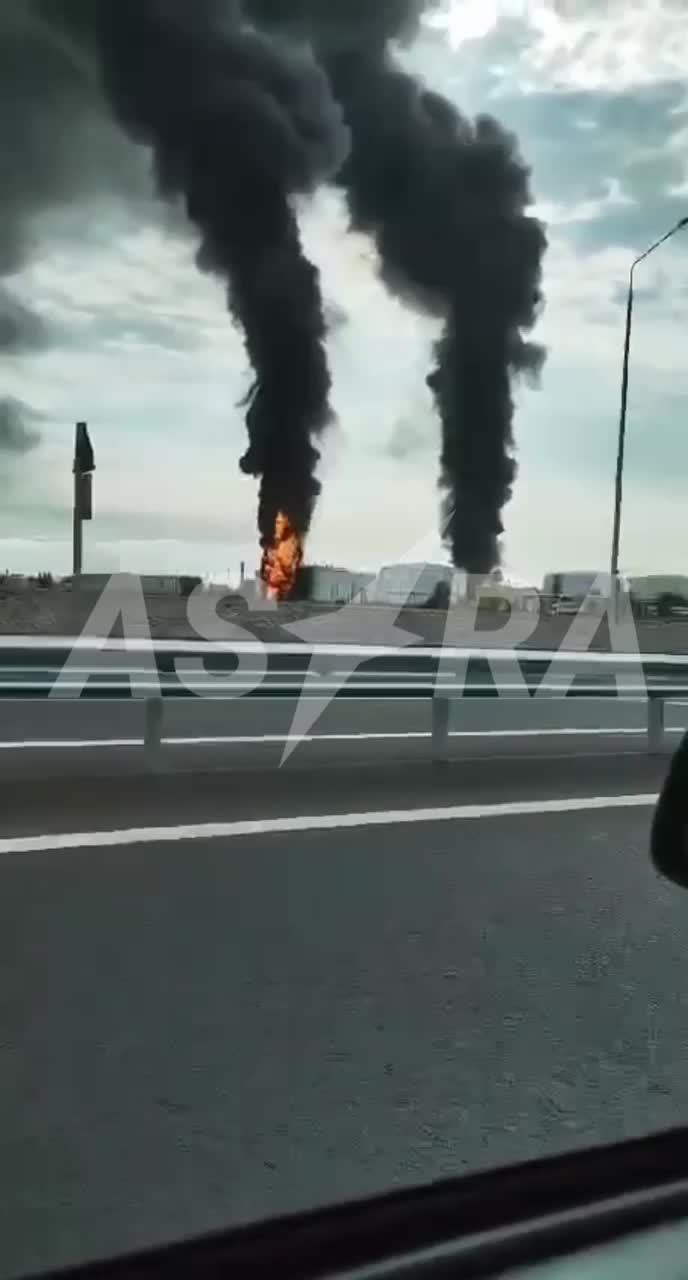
x=410, y=584
x=576, y=584
x=504, y=596
x=324, y=584
x=331, y=585
x=414, y=585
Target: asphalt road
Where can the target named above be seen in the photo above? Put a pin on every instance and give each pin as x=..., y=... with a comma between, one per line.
x=199, y=1028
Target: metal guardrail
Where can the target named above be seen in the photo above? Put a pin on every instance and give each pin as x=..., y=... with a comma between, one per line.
x=59, y=668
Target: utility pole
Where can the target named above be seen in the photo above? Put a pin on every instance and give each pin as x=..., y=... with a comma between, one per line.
x=83, y=468
x=621, y=444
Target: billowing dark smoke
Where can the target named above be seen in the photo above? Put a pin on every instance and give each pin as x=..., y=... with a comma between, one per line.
x=342, y=24
x=18, y=433
x=241, y=119
x=238, y=125
x=445, y=201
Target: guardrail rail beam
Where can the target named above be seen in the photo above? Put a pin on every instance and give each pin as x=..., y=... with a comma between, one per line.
x=33, y=668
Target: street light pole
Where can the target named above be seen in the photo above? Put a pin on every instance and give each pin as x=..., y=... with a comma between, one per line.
x=618, y=490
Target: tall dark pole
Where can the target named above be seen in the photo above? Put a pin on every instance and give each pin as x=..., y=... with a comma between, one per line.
x=618, y=493
x=83, y=468
x=77, y=528
x=618, y=490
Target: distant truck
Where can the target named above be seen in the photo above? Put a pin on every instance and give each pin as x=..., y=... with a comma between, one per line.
x=663, y=595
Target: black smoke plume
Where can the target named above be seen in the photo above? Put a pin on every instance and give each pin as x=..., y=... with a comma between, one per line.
x=239, y=124
x=342, y=24
x=240, y=119
x=445, y=201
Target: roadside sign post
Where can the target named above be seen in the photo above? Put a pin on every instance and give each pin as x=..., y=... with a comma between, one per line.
x=83, y=468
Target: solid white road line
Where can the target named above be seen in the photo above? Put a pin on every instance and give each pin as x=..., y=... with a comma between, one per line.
x=318, y=822
x=279, y=739
x=344, y=650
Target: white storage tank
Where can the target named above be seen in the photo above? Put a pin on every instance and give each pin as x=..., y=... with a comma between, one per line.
x=410, y=584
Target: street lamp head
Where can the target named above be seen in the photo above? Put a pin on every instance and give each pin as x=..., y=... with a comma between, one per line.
x=682, y=223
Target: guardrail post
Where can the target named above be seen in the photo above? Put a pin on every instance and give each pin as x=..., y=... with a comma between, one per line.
x=153, y=731
x=440, y=729
x=655, y=724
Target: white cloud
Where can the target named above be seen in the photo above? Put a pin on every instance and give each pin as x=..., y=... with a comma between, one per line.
x=619, y=44
x=589, y=210
x=465, y=20
x=581, y=44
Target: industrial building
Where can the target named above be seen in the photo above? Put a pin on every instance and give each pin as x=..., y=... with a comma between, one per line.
x=330, y=585
x=317, y=584
x=151, y=584
x=582, y=590
x=654, y=585
x=576, y=584
x=503, y=596
x=660, y=595
x=411, y=584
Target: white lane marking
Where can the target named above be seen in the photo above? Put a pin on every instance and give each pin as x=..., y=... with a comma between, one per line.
x=69, y=744
x=317, y=822
x=279, y=739
x=421, y=682
x=556, y=657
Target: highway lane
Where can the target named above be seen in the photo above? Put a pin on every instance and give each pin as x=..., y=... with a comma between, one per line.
x=350, y=783
x=199, y=1031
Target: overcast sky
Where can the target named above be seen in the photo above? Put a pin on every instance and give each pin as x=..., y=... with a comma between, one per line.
x=597, y=91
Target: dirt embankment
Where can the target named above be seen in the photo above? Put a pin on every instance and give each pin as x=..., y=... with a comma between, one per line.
x=52, y=611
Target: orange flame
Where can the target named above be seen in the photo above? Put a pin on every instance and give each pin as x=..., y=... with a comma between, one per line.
x=282, y=559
